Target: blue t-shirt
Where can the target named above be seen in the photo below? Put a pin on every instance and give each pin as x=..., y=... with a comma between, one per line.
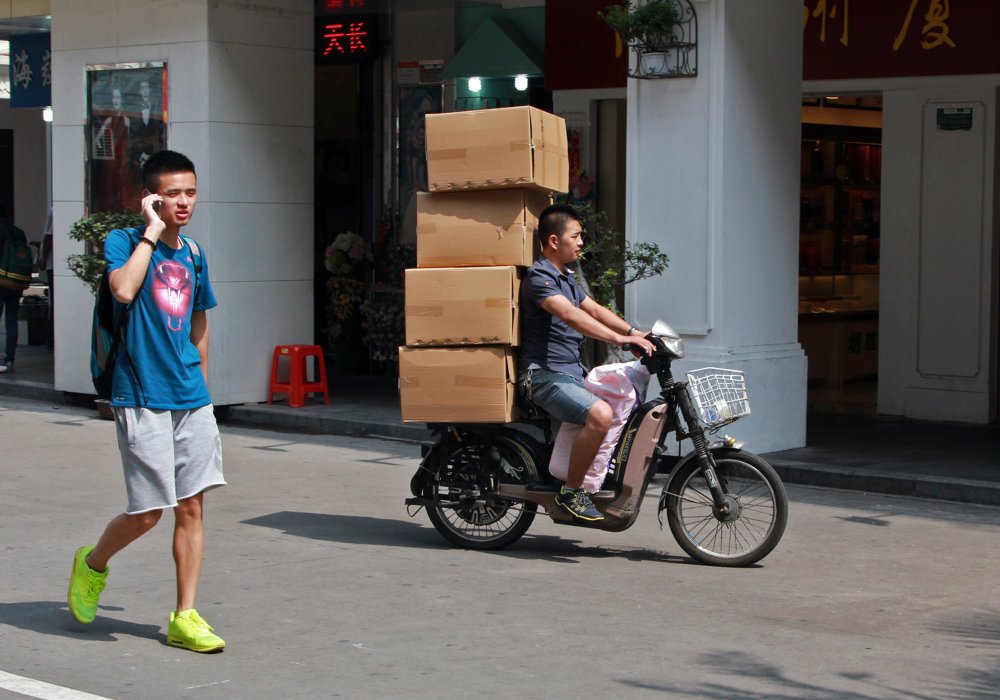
x=157, y=343
x=547, y=342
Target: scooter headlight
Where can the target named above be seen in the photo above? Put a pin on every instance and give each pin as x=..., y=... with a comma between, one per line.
x=670, y=338
x=675, y=346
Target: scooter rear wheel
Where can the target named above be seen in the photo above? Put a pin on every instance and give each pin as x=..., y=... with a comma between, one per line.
x=757, y=517
x=467, y=511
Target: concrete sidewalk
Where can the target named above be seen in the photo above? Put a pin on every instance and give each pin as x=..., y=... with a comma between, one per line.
x=879, y=454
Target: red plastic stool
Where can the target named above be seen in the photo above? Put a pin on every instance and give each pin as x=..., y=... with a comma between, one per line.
x=297, y=387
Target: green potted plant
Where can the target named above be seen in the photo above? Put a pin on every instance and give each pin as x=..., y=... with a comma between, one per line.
x=648, y=28
x=607, y=264
x=92, y=230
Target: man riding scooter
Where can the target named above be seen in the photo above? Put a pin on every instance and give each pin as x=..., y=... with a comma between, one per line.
x=555, y=317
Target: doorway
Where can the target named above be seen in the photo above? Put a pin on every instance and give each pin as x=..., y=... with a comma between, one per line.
x=839, y=253
x=344, y=182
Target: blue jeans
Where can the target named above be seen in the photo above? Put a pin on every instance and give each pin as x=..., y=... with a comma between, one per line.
x=10, y=300
x=562, y=396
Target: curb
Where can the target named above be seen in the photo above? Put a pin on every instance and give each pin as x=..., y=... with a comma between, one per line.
x=34, y=391
x=940, y=488
x=284, y=418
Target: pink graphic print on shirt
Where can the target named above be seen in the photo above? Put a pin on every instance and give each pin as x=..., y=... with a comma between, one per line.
x=172, y=292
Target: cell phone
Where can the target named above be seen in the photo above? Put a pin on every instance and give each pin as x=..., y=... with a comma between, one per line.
x=156, y=206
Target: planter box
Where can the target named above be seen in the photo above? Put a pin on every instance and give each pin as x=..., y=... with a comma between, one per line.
x=462, y=306
x=463, y=229
x=497, y=149
x=457, y=385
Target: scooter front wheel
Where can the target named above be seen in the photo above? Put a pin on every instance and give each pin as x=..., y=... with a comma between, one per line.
x=756, y=517
x=467, y=511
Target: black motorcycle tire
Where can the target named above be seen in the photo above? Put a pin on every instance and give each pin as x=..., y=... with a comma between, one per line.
x=752, y=535
x=467, y=527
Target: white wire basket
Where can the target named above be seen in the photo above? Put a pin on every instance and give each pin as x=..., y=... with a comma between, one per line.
x=720, y=395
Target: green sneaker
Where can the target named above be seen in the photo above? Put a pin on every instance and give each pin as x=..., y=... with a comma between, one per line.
x=189, y=630
x=85, y=586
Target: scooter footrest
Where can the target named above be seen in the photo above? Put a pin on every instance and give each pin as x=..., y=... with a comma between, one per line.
x=541, y=488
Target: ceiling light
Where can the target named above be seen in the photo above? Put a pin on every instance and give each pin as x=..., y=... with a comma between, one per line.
x=521, y=82
x=475, y=84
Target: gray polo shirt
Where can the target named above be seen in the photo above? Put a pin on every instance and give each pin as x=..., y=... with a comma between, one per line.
x=546, y=341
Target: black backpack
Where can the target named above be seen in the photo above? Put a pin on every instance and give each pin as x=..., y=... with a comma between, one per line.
x=107, y=338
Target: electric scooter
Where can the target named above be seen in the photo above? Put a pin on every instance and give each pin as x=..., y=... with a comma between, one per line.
x=482, y=484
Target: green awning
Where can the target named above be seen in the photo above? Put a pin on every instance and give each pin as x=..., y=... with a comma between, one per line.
x=498, y=49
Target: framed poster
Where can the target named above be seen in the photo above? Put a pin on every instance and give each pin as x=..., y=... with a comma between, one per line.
x=126, y=122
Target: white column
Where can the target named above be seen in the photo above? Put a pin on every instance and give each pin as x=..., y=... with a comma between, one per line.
x=240, y=87
x=713, y=178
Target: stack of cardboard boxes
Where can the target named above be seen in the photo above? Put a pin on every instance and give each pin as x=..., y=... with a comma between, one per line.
x=490, y=174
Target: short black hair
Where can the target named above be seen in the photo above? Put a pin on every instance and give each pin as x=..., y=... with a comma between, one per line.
x=553, y=220
x=162, y=163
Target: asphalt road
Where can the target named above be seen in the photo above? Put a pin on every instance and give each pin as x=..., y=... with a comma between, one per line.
x=323, y=587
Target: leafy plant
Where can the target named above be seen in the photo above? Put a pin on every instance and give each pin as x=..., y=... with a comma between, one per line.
x=609, y=263
x=649, y=25
x=385, y=323
x=92, y=230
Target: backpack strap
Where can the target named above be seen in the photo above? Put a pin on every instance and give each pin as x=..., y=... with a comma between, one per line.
x=197, y=257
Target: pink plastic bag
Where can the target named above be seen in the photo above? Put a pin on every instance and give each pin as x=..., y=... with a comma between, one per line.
x=622, y=386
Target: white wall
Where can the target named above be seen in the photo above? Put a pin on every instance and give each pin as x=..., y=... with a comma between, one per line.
x=938, y=317
x=240, y=88
x=713, y=179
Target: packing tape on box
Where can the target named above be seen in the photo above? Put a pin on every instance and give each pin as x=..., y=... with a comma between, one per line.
x=447, y=154
x=459, y=228
x=478, y=382
x=460, y=380
x=438, y=310
x=476, y=152
x=425, y=311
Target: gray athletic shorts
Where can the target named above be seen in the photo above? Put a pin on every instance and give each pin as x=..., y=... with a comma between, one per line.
x=167, y=456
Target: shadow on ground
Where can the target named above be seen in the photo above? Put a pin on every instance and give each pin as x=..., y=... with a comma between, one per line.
x=378, y=532
x=53, y=618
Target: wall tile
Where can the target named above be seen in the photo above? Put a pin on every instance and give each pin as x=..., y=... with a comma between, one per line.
x=257, y=242
x=261, y=85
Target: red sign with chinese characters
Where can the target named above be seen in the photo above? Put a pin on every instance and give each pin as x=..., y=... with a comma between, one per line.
x=346, y=38
x=863, y=39
x=841, y=39
x=581, y=51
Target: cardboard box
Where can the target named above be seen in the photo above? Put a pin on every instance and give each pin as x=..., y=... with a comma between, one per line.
x=495, y=149
x=461, y=229
x=457, y=385
x=462, y=306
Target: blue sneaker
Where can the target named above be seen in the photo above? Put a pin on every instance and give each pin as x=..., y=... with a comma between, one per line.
x=578, y=504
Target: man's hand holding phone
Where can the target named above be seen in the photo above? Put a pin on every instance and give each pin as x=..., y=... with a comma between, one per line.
x=151, y=206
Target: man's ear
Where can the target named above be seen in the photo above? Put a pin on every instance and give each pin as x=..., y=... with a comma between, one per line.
x=145, y=193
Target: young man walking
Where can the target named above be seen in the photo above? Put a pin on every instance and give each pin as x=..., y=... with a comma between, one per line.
x=555, y=317
x=169, y=442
